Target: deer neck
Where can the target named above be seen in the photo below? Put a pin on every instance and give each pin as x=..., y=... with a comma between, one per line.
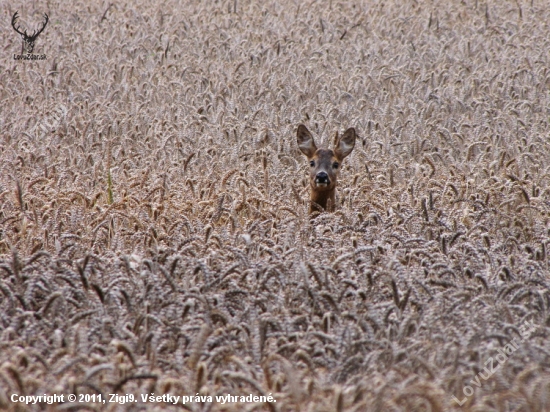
x=321, y=198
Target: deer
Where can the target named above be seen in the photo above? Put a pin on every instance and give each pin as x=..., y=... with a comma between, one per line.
x=28, y=40
x=324, y=166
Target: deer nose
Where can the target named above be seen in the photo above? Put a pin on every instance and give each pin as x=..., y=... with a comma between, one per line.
x=322, y=177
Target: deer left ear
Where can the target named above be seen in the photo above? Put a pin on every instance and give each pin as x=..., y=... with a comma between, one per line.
x=306, y=144
x=345, y=144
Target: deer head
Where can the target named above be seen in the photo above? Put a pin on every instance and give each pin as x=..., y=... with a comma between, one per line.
x=324, y=165
x=28, y=40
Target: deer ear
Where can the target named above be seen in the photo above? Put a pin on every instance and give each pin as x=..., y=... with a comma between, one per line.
x=345, y=144
x=305, y=141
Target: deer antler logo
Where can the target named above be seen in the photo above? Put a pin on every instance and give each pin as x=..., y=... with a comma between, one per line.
x=28, y=40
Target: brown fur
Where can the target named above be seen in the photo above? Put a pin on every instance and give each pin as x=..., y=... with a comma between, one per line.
x=327, y=161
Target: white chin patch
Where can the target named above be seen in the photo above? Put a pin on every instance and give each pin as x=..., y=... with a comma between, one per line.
x=321, y=184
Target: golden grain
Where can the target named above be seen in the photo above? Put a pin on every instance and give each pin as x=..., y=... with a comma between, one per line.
x=154, y=232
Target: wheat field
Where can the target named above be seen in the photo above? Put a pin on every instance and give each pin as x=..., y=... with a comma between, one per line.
x=154, y=227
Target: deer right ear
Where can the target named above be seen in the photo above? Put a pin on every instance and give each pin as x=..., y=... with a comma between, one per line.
x=345, y=144
x=305, y=141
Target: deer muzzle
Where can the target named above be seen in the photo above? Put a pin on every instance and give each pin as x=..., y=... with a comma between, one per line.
x=322, y=179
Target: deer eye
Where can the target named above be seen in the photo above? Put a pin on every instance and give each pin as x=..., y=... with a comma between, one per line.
x=335, y=165
x=312, y=163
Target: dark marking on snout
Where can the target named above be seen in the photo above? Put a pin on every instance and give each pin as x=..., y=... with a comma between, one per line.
x=322, y=177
